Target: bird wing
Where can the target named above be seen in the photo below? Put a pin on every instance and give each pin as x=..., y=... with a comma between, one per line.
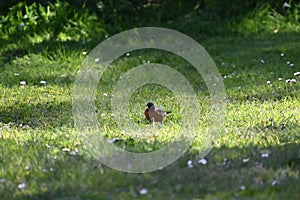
x=157, y=114
x=161, y=112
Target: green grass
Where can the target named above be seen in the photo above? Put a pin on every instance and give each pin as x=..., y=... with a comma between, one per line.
x=40, y=146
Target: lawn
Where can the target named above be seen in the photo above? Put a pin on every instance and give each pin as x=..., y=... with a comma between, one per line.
x=256, y=155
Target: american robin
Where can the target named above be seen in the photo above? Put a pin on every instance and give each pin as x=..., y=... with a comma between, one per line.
x=155, y=114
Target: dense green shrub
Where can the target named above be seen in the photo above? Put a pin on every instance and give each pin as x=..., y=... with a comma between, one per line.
x=56, y=20
x=66, y=20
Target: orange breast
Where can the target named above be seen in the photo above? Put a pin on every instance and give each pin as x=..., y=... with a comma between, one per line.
x=147, y=114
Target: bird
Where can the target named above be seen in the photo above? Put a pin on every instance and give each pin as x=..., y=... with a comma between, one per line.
x=155, y=114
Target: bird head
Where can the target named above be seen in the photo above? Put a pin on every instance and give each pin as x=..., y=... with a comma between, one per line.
x=149, y=105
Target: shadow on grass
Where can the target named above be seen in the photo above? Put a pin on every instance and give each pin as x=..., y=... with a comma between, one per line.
x=249, y=172
x=50, y=114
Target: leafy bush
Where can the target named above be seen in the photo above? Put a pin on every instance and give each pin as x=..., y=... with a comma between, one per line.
x=52, y=21
x=272, y=19
x=66, y=20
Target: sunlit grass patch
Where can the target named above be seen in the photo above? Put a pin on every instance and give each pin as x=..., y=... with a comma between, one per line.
x=255, y=155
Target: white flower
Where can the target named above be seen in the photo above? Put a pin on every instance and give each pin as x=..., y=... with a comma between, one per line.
x=143, y=191
x=274, y=183
x=73, y=153
x=22, y=82
x=265, y=155
x=242, y=187
x=114, y=140
x=66, y=149
x=291, y=80
x=280, y=79
x=190, y=163
x=296, y=73
x=43, y=82
x=22, y=25
x=84, y=53
x=202, y=161
x=22, y=186
x=286, y=5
